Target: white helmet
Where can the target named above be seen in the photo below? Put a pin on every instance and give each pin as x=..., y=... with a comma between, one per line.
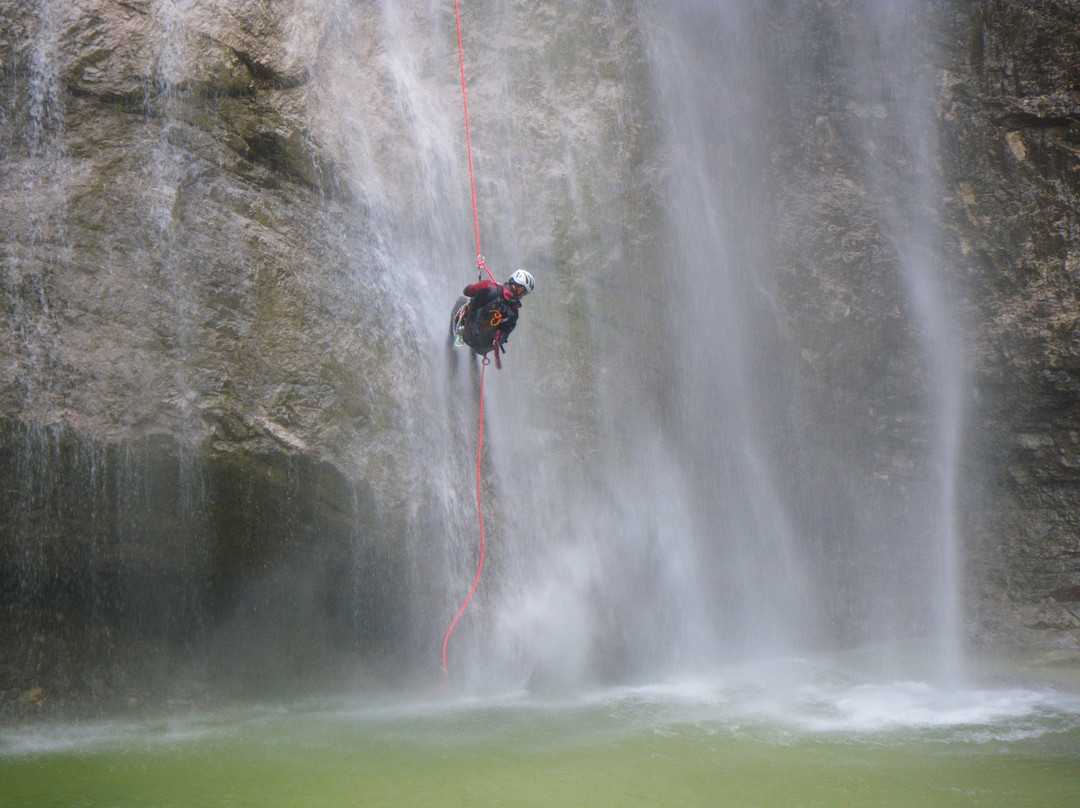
x=522, y=278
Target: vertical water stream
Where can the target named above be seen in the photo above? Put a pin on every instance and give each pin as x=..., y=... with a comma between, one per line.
x=901, y=77
x=734, y=85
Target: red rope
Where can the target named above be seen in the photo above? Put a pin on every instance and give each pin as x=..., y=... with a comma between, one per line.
x=468, y=143
x=480, y=513
x=480, y=431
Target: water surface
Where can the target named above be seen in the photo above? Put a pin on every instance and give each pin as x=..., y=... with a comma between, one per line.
x=740, y=740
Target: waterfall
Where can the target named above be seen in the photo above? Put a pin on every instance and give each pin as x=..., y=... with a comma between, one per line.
x=719, y=513
x=728, y=426
x=664, y=489
x=730, y=340
x=903, y=81
x=734, y=84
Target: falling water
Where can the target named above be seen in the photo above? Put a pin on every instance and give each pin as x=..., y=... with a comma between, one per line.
x=907, y=87
x=709, y=521
x=729, y=339
x=664, y=496
x=665, y=491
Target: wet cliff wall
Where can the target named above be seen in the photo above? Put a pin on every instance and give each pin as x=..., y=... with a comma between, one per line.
x=1010, y=132
x=1002, y=79
x=205, y=401
x=228, y=449
x=187, y=375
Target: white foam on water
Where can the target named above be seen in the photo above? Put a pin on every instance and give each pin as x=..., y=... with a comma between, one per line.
x=771, y=707
x=806, y=699
x=920, y=706
x=89, y=737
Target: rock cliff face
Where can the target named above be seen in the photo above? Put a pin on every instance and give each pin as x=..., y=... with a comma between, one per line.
x=184, y=372
x=1010, y=153
x=1004, y=88
x=207, y=382
x=220, y=330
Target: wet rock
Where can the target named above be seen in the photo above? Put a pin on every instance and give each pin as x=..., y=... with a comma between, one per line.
x=190, y=344
x=34, y=696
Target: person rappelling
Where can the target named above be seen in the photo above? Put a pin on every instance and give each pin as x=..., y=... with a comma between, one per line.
x=484, y=318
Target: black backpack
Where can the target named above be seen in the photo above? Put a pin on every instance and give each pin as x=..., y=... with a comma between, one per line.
x=485, y=319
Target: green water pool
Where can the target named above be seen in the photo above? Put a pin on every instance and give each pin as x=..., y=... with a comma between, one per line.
x=899, y=744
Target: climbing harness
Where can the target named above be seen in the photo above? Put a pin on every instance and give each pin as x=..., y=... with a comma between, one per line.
x=480, y=267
